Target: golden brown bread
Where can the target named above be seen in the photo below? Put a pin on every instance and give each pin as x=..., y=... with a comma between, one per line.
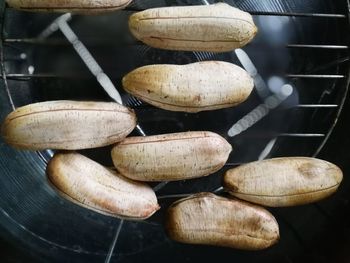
x=208, y=219
x=67, y=125
x=169, y=157
x=216, y=28
x=194, y=87
x=286, y=181
x=71, y=6
x=90, y=185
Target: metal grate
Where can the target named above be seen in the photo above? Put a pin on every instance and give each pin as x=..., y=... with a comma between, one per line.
x=336, y=70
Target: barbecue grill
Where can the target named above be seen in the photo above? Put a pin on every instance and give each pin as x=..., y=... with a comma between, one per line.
x=300, y=64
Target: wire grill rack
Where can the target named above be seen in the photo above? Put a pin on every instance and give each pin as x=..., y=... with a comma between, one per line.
x=335, y=71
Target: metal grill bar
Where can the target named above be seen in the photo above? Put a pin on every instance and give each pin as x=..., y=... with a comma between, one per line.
x=310, y=76
x=266, y=13
x=317, y=106
x=263, y=13
x=174, y=196
x=317, y=46
x=38, y=41
x=289, y=135
x=81, y=76
x=63, y=42
x=315, y=15
x=24, y=77
x=306, y=135
x=114, y=241
x=235, y=164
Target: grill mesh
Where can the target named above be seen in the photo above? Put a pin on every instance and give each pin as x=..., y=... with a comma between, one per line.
x=299, y=44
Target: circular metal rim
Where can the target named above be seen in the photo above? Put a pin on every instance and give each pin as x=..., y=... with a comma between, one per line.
x=32, y=236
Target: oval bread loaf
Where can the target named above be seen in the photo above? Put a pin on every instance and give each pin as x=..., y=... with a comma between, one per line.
x=68, y=125
x=195, y=87
x=212, y=220
x=170, y=157
x=216, y=28
x=66, y=6
x=287, y=181
x=90, y=185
